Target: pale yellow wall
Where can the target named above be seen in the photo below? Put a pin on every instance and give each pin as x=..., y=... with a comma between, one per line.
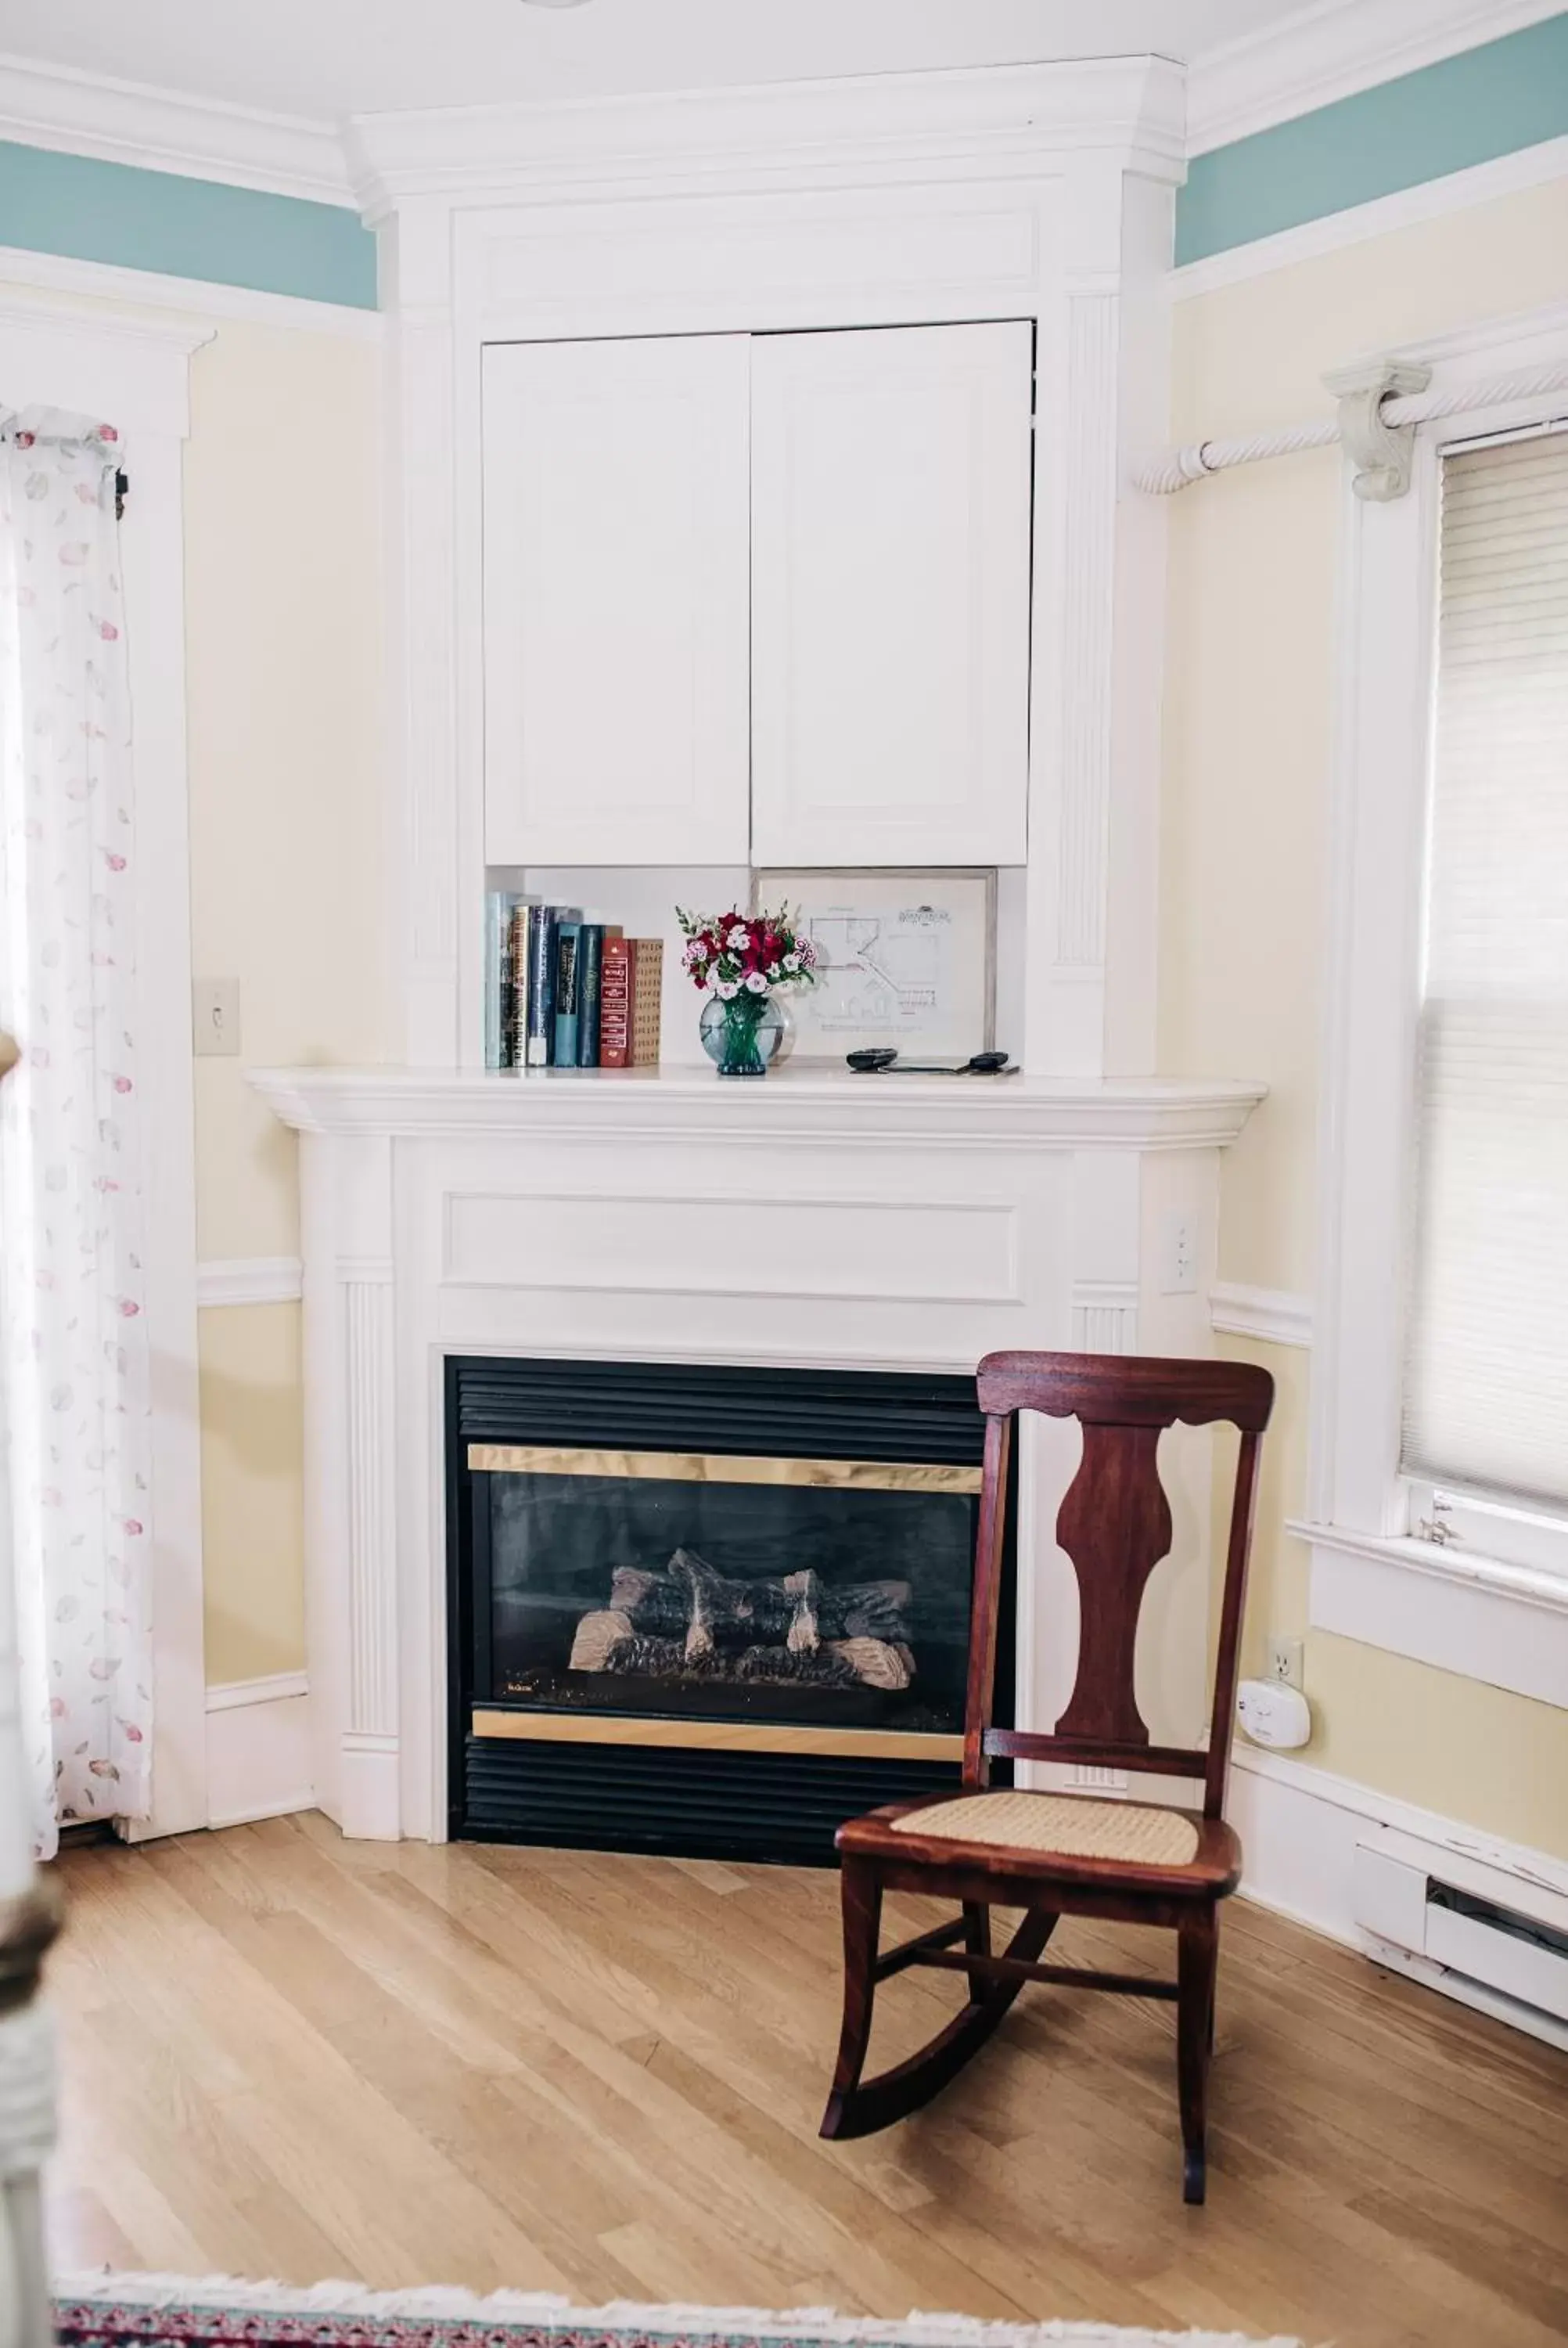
x=1248, y=704
x=288, y=886
x=287, y=835
x=251, y=1528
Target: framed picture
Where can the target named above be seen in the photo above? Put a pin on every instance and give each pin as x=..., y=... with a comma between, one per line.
x=903, y=958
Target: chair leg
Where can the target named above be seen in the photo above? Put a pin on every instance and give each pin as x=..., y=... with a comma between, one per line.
x=978, y=1941
x=860, y=1893
x=860, y=2109
x=1197, y=1944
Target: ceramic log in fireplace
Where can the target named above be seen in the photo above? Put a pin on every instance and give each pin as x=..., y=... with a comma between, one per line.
x=704, y=1609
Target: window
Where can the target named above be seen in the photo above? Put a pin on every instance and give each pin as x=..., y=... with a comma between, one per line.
x=1437, y=1501
x=1485, y=1406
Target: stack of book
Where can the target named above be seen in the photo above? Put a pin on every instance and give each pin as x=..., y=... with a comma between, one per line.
x=563, y=992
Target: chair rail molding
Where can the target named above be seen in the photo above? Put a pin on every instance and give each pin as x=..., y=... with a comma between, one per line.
x=248, y=1280
x=1273, y=1315
x=1035, y=192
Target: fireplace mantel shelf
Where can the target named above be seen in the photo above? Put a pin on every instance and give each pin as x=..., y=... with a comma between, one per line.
x=819, y=1104
x=818, y=1220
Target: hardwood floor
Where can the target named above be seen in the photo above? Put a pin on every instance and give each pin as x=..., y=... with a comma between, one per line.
x=286, y=2055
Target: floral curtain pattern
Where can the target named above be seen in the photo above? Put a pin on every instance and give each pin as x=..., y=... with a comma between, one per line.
x=73, y=1344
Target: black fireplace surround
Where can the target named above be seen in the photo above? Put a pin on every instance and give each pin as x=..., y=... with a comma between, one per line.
x=702, y=1610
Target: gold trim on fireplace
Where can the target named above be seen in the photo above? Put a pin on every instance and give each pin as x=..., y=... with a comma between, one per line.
x=716, y=1735
x=721, y=1467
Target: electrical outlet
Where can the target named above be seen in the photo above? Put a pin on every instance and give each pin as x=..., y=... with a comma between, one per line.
x=1284, y=1661
x=1179, y=1253
x=215, y=1014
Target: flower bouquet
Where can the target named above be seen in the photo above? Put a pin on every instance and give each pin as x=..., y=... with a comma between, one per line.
x=742, y=961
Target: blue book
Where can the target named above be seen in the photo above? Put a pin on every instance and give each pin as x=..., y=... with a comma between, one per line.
x=568, y=941
x=589, y=978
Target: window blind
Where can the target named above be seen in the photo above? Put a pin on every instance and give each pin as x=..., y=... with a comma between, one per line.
x=1486, y=1386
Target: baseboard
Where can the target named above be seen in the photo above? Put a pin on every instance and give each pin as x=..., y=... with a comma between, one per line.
x=258, y=1749
x=1299, y=1827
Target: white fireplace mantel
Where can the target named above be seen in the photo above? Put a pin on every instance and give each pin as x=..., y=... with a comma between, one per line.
x=798, y=1104
x=815, y=1220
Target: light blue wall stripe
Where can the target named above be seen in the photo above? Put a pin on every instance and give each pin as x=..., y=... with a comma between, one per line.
x=1489, y=102
x=91, y=210
x=1509, y=94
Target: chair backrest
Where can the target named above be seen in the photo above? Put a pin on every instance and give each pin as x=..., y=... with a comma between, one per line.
x=1114, y=1524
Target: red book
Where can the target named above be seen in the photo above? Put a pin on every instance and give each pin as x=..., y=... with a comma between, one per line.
x=617, y=995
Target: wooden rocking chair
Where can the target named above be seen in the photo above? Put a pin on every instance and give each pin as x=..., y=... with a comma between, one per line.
x=1066, y=1855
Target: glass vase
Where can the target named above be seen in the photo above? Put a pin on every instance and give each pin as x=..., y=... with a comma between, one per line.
x=744, y=1036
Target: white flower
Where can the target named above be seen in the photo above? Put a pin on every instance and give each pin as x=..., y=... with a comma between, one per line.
x=774, y=974
x=792, y=962
x=757, y=983
x=740, y=937
x=726, y=990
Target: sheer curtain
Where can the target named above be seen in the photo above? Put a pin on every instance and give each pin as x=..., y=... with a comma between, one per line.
x=71, y=1325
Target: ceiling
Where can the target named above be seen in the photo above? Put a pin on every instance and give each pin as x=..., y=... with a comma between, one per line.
x=319, y=60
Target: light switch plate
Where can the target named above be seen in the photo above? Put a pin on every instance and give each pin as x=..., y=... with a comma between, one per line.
x=215, y=1014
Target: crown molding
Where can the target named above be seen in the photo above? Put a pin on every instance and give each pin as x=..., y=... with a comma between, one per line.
x=792, y=134
x=167, y=131
x=1333, y=51
x=832, y=126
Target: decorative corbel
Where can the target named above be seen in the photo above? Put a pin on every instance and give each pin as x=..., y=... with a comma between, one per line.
x=1381, y=452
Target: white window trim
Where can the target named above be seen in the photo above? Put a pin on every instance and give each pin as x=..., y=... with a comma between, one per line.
x=1470, y=1614
x=134, y=374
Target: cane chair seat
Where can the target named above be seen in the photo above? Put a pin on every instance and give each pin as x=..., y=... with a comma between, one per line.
x=1064, y=1824
x=1051, y=1834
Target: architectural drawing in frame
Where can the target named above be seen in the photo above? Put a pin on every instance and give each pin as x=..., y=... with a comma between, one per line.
x=906, y=957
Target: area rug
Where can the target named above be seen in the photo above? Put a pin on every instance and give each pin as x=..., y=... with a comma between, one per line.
x=148, y=2311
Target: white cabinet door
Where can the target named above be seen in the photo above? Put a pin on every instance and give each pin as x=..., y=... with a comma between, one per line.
x=890, y=584
x=616, y=602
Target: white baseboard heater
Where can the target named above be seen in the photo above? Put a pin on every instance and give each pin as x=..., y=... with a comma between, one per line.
x=1487, y=1933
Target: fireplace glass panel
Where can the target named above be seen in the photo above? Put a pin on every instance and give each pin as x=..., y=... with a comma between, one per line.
x=806, y=1592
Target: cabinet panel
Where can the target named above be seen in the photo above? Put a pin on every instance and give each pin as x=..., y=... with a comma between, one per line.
x=890, y=584
x=616, y=593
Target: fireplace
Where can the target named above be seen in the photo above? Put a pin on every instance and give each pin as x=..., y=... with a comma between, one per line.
x=702, y=1609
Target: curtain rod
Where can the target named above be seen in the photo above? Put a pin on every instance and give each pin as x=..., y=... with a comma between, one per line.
x=1379, y=407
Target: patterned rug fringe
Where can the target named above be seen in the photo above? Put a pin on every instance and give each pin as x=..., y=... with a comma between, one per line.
x=544, y=2311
